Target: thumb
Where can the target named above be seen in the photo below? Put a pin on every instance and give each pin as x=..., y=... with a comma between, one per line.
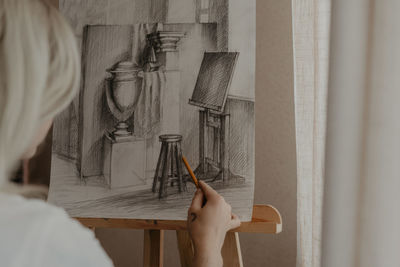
x=197, y=200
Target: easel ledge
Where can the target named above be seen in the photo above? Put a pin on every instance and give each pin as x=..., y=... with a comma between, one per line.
x=266, y=219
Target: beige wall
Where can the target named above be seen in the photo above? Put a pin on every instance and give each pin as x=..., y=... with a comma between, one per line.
x=275, y=152
x=275, y=136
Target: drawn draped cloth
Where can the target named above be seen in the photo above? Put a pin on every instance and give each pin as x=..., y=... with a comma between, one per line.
x=147, y=117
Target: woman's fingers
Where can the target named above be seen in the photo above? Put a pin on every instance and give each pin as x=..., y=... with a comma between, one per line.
x=197, y=201
x=208, y=191
x=235, y=222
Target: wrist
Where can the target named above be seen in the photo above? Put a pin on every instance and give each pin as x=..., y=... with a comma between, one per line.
x=207, y=257
x=207, y=246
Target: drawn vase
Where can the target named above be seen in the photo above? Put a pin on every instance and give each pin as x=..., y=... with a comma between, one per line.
x=123, y=90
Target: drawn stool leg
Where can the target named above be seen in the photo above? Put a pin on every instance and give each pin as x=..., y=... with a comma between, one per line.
x=159, y=163
x=164, y=177
x=173, y=159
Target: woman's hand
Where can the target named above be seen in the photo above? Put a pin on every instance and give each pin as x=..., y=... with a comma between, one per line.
x=208, y=225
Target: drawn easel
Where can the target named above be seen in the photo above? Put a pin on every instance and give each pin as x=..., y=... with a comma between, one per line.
x=210, y=94
x=266, y=219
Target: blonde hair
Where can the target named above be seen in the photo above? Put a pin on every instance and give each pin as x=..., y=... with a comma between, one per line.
x=39, y=73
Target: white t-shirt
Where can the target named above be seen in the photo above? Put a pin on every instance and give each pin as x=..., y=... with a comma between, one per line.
x=36, y=234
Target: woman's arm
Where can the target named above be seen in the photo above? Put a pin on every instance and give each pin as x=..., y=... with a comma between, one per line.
x=208, y=225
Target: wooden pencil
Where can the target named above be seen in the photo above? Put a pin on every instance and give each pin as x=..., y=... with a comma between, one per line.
x=196, y=182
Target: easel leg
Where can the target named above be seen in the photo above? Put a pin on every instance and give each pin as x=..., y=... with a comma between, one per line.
x=153, y=249
x=185, y=248
x=231, y=252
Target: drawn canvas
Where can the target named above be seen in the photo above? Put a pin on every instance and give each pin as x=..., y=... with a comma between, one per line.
x=160, y=79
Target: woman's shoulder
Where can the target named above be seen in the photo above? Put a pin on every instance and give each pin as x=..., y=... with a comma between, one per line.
x=15, y=206
x=41, y=234
x=24, y=214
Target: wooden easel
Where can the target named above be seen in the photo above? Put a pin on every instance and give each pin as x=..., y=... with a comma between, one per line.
x=266, y=219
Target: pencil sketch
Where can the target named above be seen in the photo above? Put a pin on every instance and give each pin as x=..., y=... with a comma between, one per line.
x=160, y=79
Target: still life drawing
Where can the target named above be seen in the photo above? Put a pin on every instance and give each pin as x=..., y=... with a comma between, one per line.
x=160, y=79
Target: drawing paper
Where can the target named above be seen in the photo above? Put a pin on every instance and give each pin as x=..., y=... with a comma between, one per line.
x=160, y=79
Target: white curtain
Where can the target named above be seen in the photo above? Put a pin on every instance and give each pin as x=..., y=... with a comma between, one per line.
x=361, y=226
x=311, y=21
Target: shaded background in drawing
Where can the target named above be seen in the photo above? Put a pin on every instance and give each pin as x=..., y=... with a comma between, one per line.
x=206, y=27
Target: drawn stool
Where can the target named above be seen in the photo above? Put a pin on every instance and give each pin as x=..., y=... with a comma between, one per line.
x=169, y=166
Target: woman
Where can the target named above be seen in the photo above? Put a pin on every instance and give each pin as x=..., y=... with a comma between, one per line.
x=39, y=77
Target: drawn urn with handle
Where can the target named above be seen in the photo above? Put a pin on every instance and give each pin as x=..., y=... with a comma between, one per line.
x=123, y=151
x=123, y=89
